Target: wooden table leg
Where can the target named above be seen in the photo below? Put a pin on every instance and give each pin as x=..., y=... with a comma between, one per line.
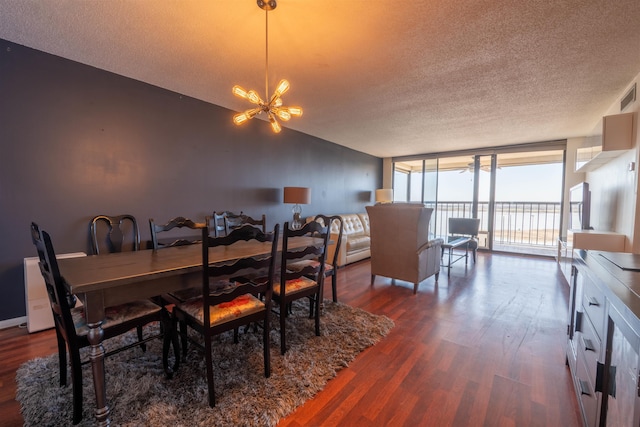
x=95, y=336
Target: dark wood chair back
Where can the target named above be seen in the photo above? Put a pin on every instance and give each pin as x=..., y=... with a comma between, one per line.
x=71, y=333
x=218, y=222
x=111, y=234
x=250, y=267
x=331, y=265
x=245, y=296
x=59, y=297
x=234, y=221
x=179, y=222
x=298, y=278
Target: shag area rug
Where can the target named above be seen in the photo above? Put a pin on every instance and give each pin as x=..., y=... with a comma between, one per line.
x=139, y=394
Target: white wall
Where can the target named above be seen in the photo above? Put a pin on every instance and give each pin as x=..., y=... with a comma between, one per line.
x=614, y=201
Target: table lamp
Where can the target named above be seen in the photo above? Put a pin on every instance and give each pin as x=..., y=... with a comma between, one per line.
x=298, y=196
x=384, y=195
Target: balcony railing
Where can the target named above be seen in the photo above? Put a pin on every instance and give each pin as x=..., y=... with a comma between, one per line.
x=534, y=224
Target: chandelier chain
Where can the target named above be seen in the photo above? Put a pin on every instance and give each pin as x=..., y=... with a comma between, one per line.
x=266, y=53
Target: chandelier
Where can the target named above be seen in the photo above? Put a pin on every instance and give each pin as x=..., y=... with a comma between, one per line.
x=273, y=107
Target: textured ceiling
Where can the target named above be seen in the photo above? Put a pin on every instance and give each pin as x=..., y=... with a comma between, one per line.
x=388, y=78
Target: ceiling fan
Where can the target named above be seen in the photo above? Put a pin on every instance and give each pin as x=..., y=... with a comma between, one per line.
x=470, y=167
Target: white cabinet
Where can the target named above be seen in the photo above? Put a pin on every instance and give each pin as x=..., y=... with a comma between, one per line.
x=39, y=314
x=623, y=363
x=584, y=349
x=597, y=240
x=603, y=342
x=617, y=136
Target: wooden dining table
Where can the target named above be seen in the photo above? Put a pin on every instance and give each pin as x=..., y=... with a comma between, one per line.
x=101, y=281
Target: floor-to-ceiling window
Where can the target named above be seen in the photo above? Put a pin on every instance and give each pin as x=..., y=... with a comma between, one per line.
x=516, y=193
x=528, y=201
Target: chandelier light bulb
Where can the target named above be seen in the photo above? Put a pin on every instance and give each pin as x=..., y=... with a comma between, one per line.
x=295, y=111
x=240, y=118
x=283, y=86
x=274, y=123
x=244, y=117
x=283, y=113
x=238, y=91
x=254, y=98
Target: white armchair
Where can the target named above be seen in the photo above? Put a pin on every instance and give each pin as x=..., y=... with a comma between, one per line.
x=400, y=245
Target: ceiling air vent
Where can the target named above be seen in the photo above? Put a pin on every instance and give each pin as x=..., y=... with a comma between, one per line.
x=628, y=98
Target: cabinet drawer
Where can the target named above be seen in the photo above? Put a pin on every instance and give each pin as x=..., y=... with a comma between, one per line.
x=593, y=304
x=589, y=347
x=586, y=392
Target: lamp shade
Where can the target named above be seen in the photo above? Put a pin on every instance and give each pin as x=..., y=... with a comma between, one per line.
x=297, y=195
x=384, y=195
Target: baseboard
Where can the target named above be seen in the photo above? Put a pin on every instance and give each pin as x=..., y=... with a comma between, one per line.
x=9, y=323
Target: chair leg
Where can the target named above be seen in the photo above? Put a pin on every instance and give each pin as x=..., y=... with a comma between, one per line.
x=317, y=316
x=76, y=379
x=283, y=344
x=62, y=358
x=209, y=361
x=415, y=288
x=311, y=307
x=183, y=337
x=169, y=338
x=143, y=346
x=265, y=345
x=373, y=277
x=176, y=345
x=334, y=285
x=474, y=255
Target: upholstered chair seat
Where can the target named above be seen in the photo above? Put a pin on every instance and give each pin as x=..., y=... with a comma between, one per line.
x=117, y=315
x=237, y=308
x=295, y=285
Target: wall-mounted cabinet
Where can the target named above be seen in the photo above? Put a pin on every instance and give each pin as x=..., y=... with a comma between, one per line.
x=617, y=136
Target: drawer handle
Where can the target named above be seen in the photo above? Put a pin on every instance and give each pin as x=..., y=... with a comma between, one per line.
x=584, y=388
x=588, y=345
x=593, y=301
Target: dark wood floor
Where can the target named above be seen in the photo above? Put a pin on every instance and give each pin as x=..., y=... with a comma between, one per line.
x=484, y=347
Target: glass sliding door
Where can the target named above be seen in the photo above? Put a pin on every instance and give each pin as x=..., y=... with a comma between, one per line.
x=515, y=194
x=527, y=202
x=485, y=190
x=416, y=181
x=456, y=182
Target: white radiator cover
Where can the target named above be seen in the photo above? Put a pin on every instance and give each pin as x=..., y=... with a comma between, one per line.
x=39, y=315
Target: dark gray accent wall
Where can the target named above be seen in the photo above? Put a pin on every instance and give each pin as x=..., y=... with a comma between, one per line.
x=77, y=141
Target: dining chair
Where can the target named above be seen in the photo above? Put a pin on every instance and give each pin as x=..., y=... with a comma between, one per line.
x=301, y=280
x=465, y=227
x=178, y=222
x=218, y=222
x=235, y=221
x=331, y=264
x=72, y=330
x=226, y=306
x=110, y=234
